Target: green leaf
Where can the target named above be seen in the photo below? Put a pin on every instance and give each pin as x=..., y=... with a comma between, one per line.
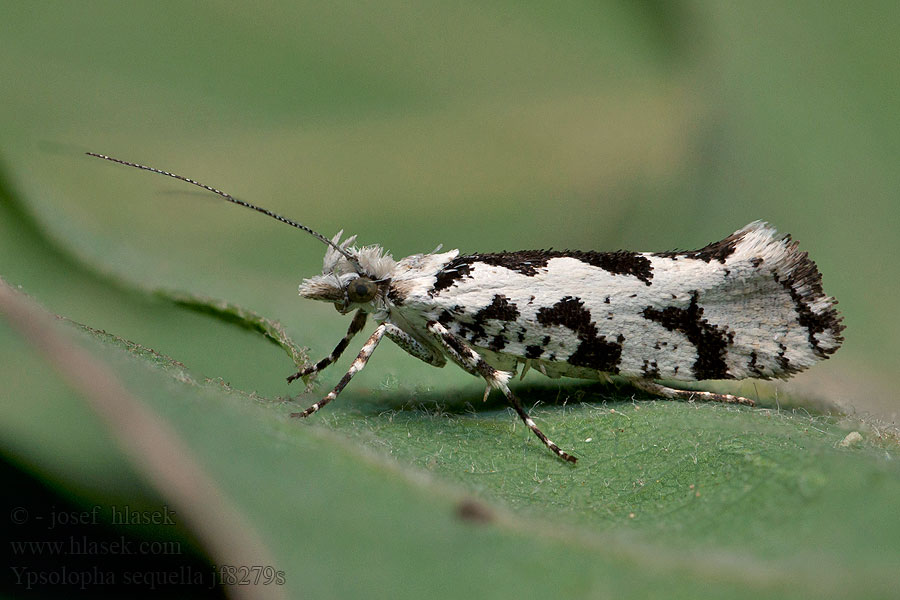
x=674, y=496
x=243, y=317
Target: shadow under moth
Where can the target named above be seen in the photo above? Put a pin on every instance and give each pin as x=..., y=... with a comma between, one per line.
x=750, y=305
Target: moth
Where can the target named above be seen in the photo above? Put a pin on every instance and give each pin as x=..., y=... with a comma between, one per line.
x=750, y=305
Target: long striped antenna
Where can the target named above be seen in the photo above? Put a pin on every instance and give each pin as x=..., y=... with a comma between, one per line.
x=350, y=257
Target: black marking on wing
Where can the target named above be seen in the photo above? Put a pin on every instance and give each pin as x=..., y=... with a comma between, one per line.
x=622, y=262
x=783, y=361
x=527, y=262
x=710, y=341
x=804, y=284
x=593, y=351
x=533, y=351
x=455, y=270
x=650, y=369
x=498, y=343
x=500, y=308
x=753, y=365
x=716, y=251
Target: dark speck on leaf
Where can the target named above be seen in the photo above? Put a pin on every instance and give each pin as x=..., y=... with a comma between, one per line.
x=474, y=511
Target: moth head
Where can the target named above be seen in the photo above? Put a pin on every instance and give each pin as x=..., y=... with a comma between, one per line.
x=345, y=286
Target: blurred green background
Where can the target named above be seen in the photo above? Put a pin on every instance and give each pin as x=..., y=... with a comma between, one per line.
x=480, y=126
x=641, y=125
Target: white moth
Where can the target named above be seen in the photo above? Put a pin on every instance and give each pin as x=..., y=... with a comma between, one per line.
x=750, y=305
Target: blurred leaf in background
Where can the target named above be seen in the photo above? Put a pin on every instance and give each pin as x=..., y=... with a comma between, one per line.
x=642, y=125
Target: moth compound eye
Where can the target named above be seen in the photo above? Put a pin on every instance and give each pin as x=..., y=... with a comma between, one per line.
x=362, y=289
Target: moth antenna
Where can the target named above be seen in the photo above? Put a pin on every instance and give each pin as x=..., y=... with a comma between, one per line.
x=353, y=261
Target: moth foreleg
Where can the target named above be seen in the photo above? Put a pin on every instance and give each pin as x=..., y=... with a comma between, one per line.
x=411, y=345
x=472, y=362
x=361, y=359
x=356, y=325
x=667, y=392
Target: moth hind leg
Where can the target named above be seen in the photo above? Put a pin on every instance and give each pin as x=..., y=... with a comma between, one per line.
x=651, y=387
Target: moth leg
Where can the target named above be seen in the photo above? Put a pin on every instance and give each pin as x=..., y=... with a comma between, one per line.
x=667, y=392
x=463, y=355
x=411, y=345
x=358, y=322
x=357, y=366
x=527, y=365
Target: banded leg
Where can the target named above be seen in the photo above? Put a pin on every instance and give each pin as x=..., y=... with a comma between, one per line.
x=411, y=345
x=358, y=322
x=357, y=366
x=471, y=361
x=656, y=389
